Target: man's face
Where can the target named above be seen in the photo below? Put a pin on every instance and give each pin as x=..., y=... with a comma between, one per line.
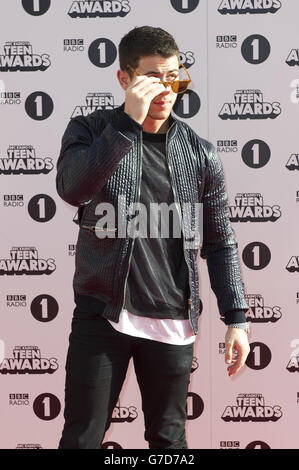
x=167, y=69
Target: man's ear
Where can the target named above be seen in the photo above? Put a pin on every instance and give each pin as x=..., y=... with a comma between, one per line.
x=124, y=79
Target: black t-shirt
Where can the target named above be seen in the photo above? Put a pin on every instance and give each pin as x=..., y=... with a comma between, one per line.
x=157, y=284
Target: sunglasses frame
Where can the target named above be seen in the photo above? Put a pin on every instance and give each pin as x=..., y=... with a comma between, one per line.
x=169, y=83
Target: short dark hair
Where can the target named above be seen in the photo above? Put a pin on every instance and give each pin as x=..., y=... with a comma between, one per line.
x=142, y=42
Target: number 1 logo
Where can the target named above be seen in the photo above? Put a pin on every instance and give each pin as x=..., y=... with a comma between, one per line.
x=39, y=105
x=102, y=52
x=46, y=406
x=184, y=6
x=36, y=7
x=255, y=49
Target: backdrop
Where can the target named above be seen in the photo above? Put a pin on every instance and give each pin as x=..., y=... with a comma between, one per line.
x=58, y=59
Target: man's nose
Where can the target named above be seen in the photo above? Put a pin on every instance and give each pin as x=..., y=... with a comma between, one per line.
x=167, y=91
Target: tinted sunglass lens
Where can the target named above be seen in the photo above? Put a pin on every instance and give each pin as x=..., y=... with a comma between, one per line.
x=183, y=85
x=175, y=86
x=179, y=86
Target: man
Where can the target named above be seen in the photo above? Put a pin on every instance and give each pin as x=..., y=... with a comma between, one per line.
x=137, y=297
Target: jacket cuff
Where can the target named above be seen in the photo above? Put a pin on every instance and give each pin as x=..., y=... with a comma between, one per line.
x=132, y=124
x=235, y=316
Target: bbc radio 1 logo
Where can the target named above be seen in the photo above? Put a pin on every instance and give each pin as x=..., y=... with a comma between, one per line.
x=226, y=42
x=99, y=8
x=256, y=255
x=257, y=445
x=46, y=406
x=255, y=153
x=10, y=97
x=44, y=308
x=233, y=7
x=40, y=207
x=255, y=49
x=25, y=260
x=39, y=105
x=22, y=159
x=94, y=101
x=184, y=6
x=237, y=445
x=18, y=399
x=293, y=162
x=19, y=56
x=28, y=360
x=293, y=363
x=229, y=444
x=13, y=200
x=102, y=52
x=259, y=357
x=249, y=104
x=73, y=45
x=258, y=312
x=36, y=7
x=187, y=104
x=250, y=207
x=227, y=146
x=16, y=300
x=251, y=407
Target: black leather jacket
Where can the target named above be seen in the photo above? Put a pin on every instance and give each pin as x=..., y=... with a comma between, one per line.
x=100, y=159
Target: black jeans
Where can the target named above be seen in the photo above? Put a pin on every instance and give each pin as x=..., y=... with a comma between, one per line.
x=96, y=366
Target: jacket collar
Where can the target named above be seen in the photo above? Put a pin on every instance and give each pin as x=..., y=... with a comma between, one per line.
x=122, y=121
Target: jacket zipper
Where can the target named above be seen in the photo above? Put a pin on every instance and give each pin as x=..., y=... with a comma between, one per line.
x=138, y=197
x=93, y=228
x=176, y=200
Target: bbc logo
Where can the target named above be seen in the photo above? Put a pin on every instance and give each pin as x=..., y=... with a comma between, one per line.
x=19, y=396
x=73, y=42
x=11, y=298
x=13, y=197
x=227, y=143
x=226, y=38
x=10, y=94
x=229, y=444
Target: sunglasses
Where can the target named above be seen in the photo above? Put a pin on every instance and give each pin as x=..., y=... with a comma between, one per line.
x=177, y=86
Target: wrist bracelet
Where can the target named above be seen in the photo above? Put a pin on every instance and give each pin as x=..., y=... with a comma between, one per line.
x=243, y=326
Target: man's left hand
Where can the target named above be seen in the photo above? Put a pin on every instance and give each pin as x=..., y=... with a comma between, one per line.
x=236, y=339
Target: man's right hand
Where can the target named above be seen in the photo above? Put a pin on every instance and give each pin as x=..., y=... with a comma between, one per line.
x=139, y=94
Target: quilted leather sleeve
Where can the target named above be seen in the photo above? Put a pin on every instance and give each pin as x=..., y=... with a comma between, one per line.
x=219, y=246
x=88, y=160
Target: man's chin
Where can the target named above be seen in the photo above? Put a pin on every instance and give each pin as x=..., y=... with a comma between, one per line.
x=160, y=115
